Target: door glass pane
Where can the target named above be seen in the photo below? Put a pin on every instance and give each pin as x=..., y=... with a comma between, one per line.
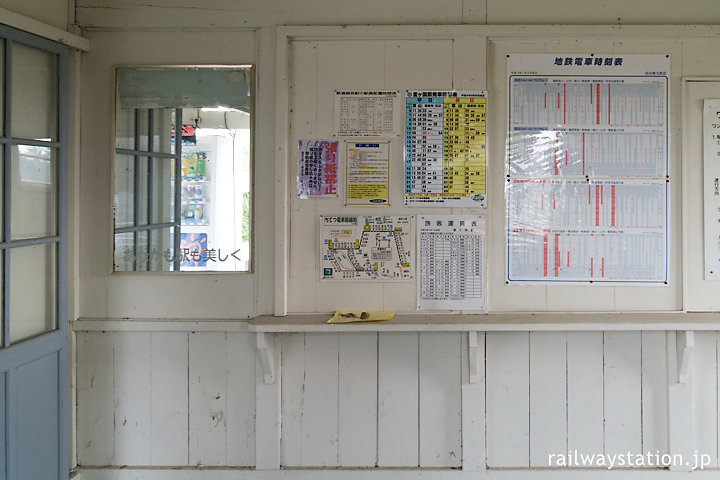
x=161, y=250
x=163, y=123
x=143, y=129
x=2, y=86
x=33, y=286
x=34, y=93
x=143, y=178
x=142, y=252
x=123, y=200
x=163, y=194
x=124, y=252
x=33, y=190
x=125, y=128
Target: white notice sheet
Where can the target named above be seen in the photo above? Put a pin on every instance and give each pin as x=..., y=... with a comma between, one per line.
x=451, y=269
x=365, y=113
x=368, y=173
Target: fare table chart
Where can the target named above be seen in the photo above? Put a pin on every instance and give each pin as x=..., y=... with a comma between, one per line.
x=450, y=262
x=445, y=148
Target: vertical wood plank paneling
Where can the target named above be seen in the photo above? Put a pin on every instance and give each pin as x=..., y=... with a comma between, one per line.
x=169, y=397
x=95, y=399
x=585, y=421
x=680, y=408
x=704, y=382
x=241, y=399
x=132, y=398
x=398, y=400
x=469, y=63
x=654, y=392
x=440, y=409
x=508, y=378
x=473, y=407
x=293, y=398
x=207, y=389
x=320, y=408
x=548, y=396
x=404, y=61
x=623, y=415
x=303, y=120
x=357, y=428
x=268, y=412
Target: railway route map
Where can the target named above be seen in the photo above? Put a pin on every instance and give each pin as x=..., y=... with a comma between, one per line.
x=366, y=248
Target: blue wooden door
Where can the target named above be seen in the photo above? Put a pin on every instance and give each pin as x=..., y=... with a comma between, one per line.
x=33, y=271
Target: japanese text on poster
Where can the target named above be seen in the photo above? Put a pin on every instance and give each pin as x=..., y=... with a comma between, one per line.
x=445, y=148
x=368, y=173
x=365, y=113
x=317, y=169
x=587, y=168
x=372, y=248
x=451, y=267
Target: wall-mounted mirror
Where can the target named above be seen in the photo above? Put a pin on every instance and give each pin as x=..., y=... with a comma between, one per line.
x=182, y=169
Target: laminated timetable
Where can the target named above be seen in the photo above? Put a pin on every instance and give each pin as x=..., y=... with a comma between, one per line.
x=445, y=160
x=587, y=169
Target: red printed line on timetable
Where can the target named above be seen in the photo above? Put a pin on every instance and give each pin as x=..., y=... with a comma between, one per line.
x=597, y=205
x=612, y=206
x=545, y=255
x=557, y=254
x=597, y=105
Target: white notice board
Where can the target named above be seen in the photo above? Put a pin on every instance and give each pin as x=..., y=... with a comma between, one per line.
x=451, y=262
x=711, y=187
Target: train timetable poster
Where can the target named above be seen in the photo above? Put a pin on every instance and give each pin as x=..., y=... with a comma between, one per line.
x=445, y=148
x=587, y=168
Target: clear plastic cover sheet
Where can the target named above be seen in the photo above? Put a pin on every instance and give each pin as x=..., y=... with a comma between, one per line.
x=587, y=169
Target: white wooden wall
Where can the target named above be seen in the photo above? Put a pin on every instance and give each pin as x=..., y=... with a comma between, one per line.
x=184, y=397
x=187, y=398
x=465, y=60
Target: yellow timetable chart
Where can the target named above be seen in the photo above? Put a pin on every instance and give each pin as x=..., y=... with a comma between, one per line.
x=445, y=148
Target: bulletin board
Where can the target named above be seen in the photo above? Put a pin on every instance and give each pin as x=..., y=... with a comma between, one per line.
x=462, y=58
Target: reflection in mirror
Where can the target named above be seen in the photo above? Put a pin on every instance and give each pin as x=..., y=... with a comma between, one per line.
x=191, y=128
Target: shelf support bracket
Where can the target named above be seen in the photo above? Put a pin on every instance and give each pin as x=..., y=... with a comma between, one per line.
x=473, y=356
x=685, y=342
x=266, y=351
